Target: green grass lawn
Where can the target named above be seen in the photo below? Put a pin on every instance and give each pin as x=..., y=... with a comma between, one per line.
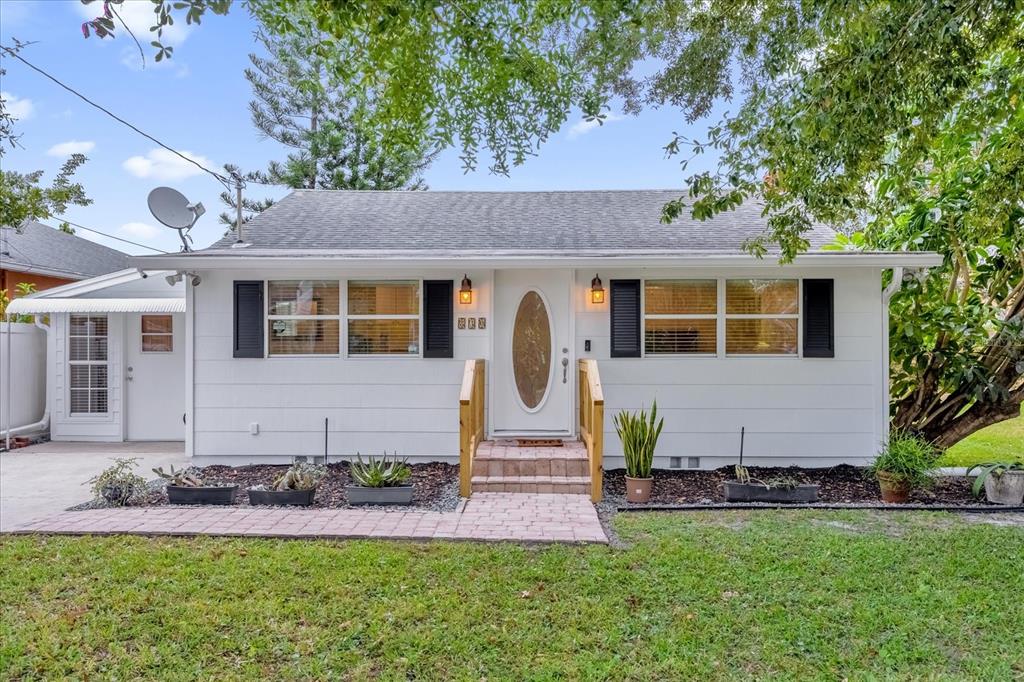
x=999, y=442
x=786, y=595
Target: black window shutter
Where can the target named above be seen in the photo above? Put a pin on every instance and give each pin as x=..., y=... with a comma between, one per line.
x=819, y=319
x=248, y=319
x=625, y=317
x=438, y=319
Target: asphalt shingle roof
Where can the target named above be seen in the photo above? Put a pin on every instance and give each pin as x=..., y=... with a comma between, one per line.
x=559, y=222
x=41, y=247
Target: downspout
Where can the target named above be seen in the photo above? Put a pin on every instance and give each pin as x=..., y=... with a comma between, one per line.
x=887, y=294
x=44, y=423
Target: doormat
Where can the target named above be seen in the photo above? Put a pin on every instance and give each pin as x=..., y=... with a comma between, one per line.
x=539, y=443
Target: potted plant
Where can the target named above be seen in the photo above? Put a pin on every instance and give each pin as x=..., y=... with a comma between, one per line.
x=780, y=489
x=296, y=486
x=184, y=486
x=1003, y=482
x=904, y=463
x=380, y=481
x=639, y=434
x=119, y=483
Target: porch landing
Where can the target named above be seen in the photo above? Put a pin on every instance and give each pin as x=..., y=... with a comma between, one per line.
x=512, y=467
x=488, y=517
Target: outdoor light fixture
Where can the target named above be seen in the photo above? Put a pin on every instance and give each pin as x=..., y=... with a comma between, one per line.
x=596, y=290
x=466, y=291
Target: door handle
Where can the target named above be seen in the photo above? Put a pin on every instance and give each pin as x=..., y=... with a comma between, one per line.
x=565, y=370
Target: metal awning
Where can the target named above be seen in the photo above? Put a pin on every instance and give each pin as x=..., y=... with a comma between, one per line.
x=43, y=306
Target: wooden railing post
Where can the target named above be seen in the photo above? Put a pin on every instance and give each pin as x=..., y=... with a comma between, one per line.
x=471, y=421
x=592, y=423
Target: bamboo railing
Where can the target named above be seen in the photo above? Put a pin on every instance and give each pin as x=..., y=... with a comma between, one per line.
x=471, y=421
x=592, y=422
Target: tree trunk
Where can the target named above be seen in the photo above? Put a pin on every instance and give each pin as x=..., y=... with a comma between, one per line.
x=948, y=432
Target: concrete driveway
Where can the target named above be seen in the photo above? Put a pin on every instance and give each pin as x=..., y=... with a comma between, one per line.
x=43, y=480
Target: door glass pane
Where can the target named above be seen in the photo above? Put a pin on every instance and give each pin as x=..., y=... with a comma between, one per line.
x=531, y=349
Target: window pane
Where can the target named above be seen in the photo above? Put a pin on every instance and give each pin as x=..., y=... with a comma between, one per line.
x=97, y=325
x=378, y=337
x=304, y=297
x=79, y=400
x=304, y=337
x=157, y=324
x=79, y=325
x=761, y=296
x=681, y=297
x=79, y=376
x=78, y=348
x=97, y=401
x=679, y=336
x=766, y=335
x=383, y=298
x=98, y=349
x=157, y=343
x=97, y=376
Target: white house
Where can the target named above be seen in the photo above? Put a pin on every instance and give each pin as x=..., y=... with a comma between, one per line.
x=355, y=313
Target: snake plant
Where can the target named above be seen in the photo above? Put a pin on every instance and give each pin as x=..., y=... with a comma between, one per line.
x=639, y=434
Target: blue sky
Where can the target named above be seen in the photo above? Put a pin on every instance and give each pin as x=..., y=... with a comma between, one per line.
x=197, y=103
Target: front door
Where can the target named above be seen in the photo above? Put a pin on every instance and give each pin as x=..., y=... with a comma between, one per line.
x=155, y=374
x=532, y=376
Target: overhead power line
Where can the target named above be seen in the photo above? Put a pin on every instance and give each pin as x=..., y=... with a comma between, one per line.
x=110, y=236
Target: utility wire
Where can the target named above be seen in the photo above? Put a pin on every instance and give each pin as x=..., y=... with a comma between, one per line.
x=110, y=236
x=220, y=178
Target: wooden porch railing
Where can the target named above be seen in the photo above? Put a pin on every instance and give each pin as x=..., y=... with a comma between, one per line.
x=592, y=422
x=471, y=421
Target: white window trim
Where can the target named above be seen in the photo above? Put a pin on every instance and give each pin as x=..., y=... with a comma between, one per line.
x=681, y=316
x=418, y=316
x=798, y=316
x=268, y=318
x=87, y=416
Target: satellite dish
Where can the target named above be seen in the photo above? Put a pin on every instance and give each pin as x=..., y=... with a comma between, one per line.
x=171, y=208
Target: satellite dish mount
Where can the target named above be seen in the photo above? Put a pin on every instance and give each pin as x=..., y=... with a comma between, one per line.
x=173, y=209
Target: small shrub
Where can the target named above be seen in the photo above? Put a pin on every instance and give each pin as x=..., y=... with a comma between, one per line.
x=908, y=459
x=185, y=478
x=380, y=473
x=300, y=476
x=119, y=483
x=639, y=434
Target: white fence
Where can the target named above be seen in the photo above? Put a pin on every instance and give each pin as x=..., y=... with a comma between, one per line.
x=27, y=374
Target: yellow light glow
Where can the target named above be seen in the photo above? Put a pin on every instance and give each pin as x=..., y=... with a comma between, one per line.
x=597, y=296
x=466, y=296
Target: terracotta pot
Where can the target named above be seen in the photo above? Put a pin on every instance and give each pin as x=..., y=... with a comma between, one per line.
x=893, y=489
x=638, y=489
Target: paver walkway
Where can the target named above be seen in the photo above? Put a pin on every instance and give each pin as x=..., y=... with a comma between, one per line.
x=517, y=517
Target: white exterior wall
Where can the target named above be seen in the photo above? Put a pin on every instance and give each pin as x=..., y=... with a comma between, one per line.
x=408, y=405
x=808, y=411
x=26, y=380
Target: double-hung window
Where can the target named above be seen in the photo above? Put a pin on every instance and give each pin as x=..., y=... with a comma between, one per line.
x=87, y=364
x=680, y=317
x=384, y=317
x=303, y=317
x=762, y=316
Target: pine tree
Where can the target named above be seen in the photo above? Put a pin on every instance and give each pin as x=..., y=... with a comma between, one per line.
x=297, y=104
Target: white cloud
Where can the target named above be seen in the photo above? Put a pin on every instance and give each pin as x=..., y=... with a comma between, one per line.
x=18, y=107
x=143, y=230
x=139, y=17
x=583, y=127
x=160, y=164
x=131, y=58
x=71, y=147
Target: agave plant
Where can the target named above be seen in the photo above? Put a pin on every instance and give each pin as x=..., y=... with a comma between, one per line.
x=994, y=469
x=639, y=434
x=380, y=473
x=300, y=476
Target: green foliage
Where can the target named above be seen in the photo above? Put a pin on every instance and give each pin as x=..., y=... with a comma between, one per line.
x=119, y=483
x=24, y=289
x=23, y=199
x=907, y=458
x=639, y=434
x=380, y=473
x=986, y=469
x=300, y=476
x=185, y=477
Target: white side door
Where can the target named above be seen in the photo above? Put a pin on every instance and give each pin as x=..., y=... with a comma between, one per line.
x=155, y=376
x=532, y=373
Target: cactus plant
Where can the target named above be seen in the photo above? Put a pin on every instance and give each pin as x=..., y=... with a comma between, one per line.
x=300, y=476
x=380, y=473
x=185, y=478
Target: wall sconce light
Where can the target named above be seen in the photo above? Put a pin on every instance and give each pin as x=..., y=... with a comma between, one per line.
x=596, y=290
x=466, y=291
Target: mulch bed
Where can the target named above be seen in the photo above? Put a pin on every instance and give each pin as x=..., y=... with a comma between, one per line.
x=435, y=485
x=843, y=484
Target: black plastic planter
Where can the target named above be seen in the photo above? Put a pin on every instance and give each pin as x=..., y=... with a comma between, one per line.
x=298, y=498
x=399, y=494
x=757, y=492
x=224, y=494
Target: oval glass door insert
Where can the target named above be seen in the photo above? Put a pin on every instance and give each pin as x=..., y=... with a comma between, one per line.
x=531, y=350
